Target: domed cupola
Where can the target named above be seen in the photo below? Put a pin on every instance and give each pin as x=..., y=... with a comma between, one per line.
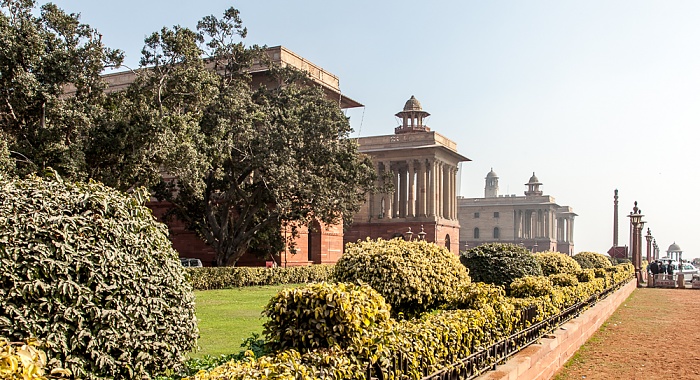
x=491, y=188
x=533, y=186
x=412, y=117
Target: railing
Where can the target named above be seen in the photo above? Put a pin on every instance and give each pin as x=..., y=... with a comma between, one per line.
x=487, y=359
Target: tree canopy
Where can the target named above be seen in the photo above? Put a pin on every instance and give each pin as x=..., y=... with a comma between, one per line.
x=41, y=58
x=238, y=164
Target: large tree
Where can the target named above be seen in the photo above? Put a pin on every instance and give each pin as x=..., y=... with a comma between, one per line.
x=248, y=163
x=42, y=57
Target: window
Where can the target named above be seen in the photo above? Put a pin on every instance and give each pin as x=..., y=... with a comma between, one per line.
x=496, y=214
x=496, y=233
x=476, y=233
x=476, y=215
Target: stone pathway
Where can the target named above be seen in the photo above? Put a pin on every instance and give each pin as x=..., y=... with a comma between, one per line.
x=654, y=334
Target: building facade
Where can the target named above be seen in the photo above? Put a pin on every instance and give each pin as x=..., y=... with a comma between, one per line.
x=534, y=220
x=315, y=244
x=420, y=168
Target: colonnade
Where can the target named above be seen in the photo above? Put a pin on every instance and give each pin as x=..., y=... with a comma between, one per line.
x=565, y=229
x=422, y=188
x=543, y=223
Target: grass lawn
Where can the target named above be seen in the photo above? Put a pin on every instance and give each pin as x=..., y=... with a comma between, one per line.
x=226, y=317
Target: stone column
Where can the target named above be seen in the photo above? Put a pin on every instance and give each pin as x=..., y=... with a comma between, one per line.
x=411, y=193
x=388, y=199
x=376, y=198
x=430, y=179
x=439, y=190
x=403, y=195
x=395, y=202
x=571, y=230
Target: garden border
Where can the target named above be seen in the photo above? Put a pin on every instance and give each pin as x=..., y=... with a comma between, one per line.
x=542, y=360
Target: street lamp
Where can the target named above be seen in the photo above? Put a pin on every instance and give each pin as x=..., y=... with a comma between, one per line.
x=636, y=239
x=534, y=248
x=409, y=234
x=421, y=234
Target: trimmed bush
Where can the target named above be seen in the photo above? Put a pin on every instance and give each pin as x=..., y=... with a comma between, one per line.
x=563, y=279
x=556, y=262
x=27, y=361
x=323, y=315
x=591, y=260
x=531, y=286
x=500, y=264
x=89, y=271
x=209, y=278
x=413, y=276
x=586, y=275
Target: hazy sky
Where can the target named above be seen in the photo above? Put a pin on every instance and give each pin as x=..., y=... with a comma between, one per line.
x=592, y=96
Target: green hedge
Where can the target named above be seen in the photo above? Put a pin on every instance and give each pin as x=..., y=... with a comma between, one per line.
x=88, y=270
x=556, y=262
x=426, y=344
x=590, y=260
x=500, y=264
x=413, y=276
x=324, y=315
x=209, y=278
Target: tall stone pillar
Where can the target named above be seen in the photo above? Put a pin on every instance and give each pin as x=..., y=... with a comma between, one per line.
x=420, y=188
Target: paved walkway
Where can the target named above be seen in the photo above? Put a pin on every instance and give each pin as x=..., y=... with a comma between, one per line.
x=654, y=334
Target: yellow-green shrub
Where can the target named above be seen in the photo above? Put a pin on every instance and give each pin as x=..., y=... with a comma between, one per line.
x=563, y=279
x=556, y=262
x=413, y=276
x=531, y=286
x=26, y=361
x=326, y=364
x=585, y=275
x=323, y=315
x=589, y=260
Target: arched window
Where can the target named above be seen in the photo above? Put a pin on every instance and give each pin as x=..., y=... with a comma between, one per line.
x=447, y=242
x=496, y=233
x=476, y=233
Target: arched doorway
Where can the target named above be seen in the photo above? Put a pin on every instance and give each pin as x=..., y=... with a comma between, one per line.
x=314, y=242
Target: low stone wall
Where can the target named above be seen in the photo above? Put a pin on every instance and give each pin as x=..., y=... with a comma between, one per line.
x=542, y=360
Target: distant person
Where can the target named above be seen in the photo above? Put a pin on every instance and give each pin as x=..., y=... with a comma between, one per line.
x=662, y=268
x=669, y=269
x=654, y=267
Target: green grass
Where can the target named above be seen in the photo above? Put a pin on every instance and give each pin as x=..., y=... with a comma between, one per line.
x=227, y=317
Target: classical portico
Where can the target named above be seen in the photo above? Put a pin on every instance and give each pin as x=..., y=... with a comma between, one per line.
x=418, y=169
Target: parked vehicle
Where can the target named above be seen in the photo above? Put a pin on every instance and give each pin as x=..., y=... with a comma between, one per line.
x=686, y=269
x=191, y=263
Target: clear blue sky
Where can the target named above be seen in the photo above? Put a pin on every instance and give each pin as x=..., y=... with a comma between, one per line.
x=592, y=96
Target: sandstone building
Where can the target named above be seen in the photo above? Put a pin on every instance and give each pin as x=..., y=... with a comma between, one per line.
x=421, y=166
x=534, y=220
x=320, y=244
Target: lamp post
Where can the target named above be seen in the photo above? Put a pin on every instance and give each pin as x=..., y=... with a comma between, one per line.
x=409, y=234
x=636, y=225
x=534, y=248
x=421, y=234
